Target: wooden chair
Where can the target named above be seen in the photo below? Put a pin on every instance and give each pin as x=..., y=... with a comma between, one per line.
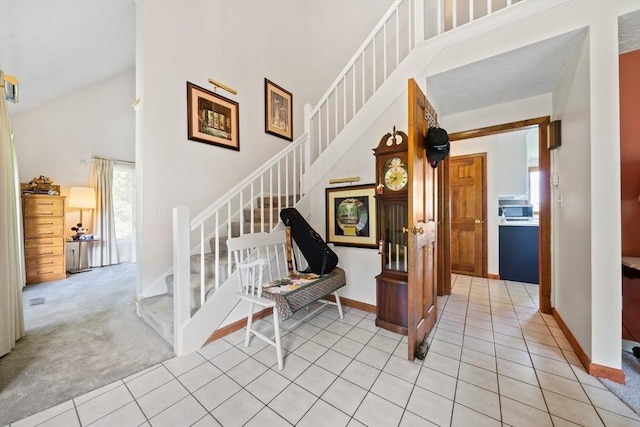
x=253, y=255
x=261, y=258
x=251, y=291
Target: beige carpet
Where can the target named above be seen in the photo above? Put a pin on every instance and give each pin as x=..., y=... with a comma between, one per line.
x=629, y=393
x=85, y=335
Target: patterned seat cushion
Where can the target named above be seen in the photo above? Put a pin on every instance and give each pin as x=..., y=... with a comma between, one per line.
x=290, y=302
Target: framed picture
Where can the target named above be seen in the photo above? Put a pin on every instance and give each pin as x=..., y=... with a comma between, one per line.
x=212, y=119
x=278, y=111
x=10, y=88
x=555, y=139
x=351, y=216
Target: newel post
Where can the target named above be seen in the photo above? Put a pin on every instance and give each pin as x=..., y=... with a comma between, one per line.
x=181, y=303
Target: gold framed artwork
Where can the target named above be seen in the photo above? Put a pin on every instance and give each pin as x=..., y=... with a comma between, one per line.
x=278, y=111
x=212, y=119
x=351, y=216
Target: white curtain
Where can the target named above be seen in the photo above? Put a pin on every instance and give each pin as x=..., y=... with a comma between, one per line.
x=12, y=274
x=124, y=178
x=105, y=251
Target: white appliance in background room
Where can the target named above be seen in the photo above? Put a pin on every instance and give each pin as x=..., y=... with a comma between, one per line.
x=516, y=212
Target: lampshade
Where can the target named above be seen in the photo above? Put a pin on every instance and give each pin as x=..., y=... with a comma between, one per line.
x=82, y=197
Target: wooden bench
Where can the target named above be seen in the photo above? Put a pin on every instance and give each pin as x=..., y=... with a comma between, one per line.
x=260, y=259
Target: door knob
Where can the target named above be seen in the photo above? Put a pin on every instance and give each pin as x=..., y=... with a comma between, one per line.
x=416, y=230
x=478, y=221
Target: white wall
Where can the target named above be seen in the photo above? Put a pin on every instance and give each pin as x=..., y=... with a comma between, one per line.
x=572, y=215
x=299, y=45
x=606, y=237
x=59, y=139
x=587, y=220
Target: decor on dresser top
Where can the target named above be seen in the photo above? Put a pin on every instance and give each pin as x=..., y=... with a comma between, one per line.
x=40, y=185
x=278, y=111
x=351, y=216
x=212, y=119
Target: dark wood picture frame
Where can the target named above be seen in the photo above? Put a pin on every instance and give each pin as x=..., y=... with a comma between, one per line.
x=212, y=119
x=278, y=111
x=352, y=218
x=555, y=139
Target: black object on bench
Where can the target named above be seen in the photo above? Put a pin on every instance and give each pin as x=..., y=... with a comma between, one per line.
x=319, y=256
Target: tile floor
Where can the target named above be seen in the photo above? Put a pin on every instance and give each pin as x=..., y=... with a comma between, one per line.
x=494, y=360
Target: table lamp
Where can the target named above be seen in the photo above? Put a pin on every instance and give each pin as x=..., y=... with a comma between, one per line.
x=82, y=198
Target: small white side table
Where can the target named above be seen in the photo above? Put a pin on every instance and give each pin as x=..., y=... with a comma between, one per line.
x=78, y=269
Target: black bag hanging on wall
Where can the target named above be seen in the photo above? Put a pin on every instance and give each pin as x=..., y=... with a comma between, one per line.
x=319, y=256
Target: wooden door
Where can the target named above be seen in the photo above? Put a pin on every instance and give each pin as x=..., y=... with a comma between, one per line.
x=422, y=313
x=467, y=183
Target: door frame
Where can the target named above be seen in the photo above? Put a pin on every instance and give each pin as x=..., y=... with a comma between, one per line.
x=544, y=229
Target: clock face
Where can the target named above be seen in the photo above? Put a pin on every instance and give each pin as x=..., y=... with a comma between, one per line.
x=395, y=176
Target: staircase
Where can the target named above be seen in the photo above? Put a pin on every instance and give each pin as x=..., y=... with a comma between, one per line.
x=201, y=291
x=157, y=311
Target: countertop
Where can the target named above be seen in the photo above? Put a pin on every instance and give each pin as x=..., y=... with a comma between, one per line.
x=523, y=223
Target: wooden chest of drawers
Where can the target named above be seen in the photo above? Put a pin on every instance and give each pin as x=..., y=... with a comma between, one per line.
x=44, y=248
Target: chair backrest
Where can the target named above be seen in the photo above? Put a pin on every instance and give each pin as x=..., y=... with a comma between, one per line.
x=251, y=276
x=271, y=247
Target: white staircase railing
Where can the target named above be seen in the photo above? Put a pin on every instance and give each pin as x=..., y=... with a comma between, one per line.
x=250, y=206
x=406, y=24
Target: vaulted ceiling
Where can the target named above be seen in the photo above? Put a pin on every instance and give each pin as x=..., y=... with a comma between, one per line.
x=56, y=47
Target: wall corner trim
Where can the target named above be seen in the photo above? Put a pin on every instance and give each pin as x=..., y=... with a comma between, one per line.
x=593, y=369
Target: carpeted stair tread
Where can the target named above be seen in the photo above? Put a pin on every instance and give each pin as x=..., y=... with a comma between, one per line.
x=276, y=201
x=259, y=213
x=157, y=312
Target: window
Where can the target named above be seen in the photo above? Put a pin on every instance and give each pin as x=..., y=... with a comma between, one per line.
x=124, y=210
x=534, y=189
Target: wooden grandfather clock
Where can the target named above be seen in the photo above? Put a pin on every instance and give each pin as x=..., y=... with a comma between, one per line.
x=392, y=202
